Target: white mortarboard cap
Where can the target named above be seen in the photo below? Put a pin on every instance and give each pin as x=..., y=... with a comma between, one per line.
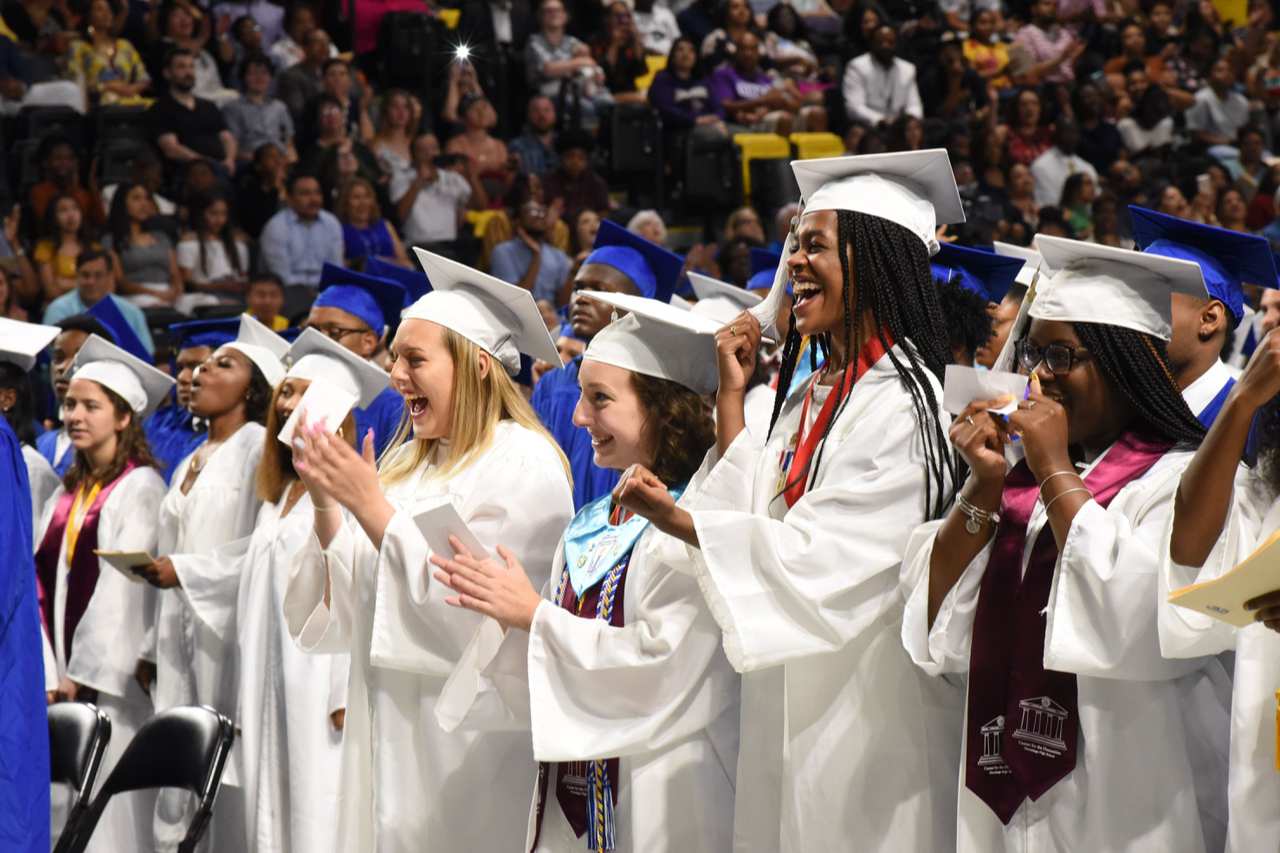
x=681, y=303
x=720, y=301
x=316, y=356
x=263, y=347
x=142, y=386
x=21, y=342
x=915, y=189
x=657, y=339
x=502, y=319
x=1034, y=262
x=1114, y=287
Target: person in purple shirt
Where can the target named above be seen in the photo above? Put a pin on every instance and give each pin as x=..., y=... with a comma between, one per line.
x=758, y=100
x=684, y=99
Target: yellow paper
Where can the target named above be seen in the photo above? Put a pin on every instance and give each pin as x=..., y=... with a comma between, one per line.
x=1224, y=598
x=126, y=562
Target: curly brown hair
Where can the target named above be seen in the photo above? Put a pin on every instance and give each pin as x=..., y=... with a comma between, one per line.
x=131, y=445
x=682, y=424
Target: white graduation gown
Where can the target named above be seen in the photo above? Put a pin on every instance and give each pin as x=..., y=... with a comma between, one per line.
x=44, y=482
x=1254, y=783
x=658, y=694
x=405, y=784
x=843, y=737
x=1151, y=764
x=102, y=651
x=193, y=665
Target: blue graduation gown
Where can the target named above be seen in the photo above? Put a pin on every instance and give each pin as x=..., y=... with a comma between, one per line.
x=47, y=444
x=554, y=399
x=172, y=435
x=383, y=415
x=24, y=723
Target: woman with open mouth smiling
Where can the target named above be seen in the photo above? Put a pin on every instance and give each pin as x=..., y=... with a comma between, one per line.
x=1043, y=583
x=796, y=536
x=364, y=587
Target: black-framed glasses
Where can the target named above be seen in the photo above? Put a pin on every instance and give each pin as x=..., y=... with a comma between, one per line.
x=1058, y=358
x=337, y=333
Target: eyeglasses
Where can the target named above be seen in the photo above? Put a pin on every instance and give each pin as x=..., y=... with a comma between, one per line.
x=337, y=333
x=1058, y=358
x=330, y=111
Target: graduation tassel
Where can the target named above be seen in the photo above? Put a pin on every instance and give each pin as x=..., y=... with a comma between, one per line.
x=601, y=811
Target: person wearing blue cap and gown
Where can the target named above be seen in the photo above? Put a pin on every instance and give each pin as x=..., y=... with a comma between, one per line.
x=971, y=283
x=171, y=429
x=620, y=262
x=355, y=310
x=1228, y=259
x=55, y=445
x=19, y=345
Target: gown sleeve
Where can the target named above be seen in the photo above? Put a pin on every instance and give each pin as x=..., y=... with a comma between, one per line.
x=210, y=584
x=314, y=626
x=812, y=581
x=102, y=653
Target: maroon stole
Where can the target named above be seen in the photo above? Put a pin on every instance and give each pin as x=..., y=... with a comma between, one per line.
x=573, y=777
x=1023, y=720
x=82, y=575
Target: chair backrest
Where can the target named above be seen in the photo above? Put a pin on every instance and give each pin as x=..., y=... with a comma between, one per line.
x=78, y=738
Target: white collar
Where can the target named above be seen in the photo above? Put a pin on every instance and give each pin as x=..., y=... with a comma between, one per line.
x=1200, y=393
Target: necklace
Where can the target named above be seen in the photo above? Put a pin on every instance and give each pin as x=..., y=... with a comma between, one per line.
x=209, y=448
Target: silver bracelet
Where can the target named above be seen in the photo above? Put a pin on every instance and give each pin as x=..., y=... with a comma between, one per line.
x=1067, y=492
x=977, y=517
x=1055, y=474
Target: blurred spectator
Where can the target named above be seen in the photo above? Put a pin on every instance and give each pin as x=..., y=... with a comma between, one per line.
x=501, y=226
x=859, y=25
x=248, y=42
x=1049, y=51
x=719, y=45
x=299, y=20
x=535, y=149
x=953, y=91
x=759, y=100
x=734, y=260
x=1021, y=191
x=782, y=225
x=299, y=84
x=528, y=260
x=1150, y=125
x=42, y=30
x=1249, y=167
x=1272, y=229
x=878, y=86
x=146, y=169
x=1231, y=210
x=744, y=222
x=1100, y=141
x=1262, y=207
x=698, y=19
x=463, y=80
x=554, y=59
x=10, y=303
x=94, y=280
x=1027, y=138
x=585, y=227
x=330, y=128
x=338, y=80
x=1171, y=202
x=1192, y=66
x=18, y=88
x=268, y=16
x=265, y=298
x=959, y=15
x=685, y=101
x=1106, y=221
x=214, y=257
x=145, y=266
x=787, y=43
x=657, y=26
x=61, y=167
x=24, y=282
x=431, y=199
x=1133, y=46
x=365, y=233
x=1219, y=112
x=1052, y=168
x=486, y=154
x=508, y=23
x=109, y=68
x=398, y=121
x=186, y=127
x=907, y=134
x=255, y=118
x=1078, y=194
x=573, y=182
x=985, y=51
x=649, y=225
x=180, y=31
x=346, y=161
x=619, y=52
x=263, y=190
x=65, y=234
x=1262, y=81
x=300, y=238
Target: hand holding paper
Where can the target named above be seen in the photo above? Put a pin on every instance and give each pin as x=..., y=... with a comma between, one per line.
x=323, y=401
x=127, y=563
x=1226, y=597
x=965, y=385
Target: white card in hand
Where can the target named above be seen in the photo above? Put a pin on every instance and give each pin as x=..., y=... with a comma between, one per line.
x=127, y=563
x=439, y=523
x=964, y=385
x=322, y=401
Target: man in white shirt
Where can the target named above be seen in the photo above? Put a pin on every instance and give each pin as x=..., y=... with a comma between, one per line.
x=1052, y=168
x=430, y=200
x=879, y=87
x=1218, y=113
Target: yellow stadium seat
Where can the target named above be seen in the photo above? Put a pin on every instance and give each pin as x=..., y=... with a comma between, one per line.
x=758, y=146
x=656, y=64
x=450, y=17
x=479, y=220
x=814, y=146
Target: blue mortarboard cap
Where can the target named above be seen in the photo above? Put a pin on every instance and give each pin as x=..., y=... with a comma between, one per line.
x=764, y=264
x=377, y=301
x=654, y=270
x=1227, y=258
x=203, y=333
x=416, y=283
x=987, y=274
x=106, y=313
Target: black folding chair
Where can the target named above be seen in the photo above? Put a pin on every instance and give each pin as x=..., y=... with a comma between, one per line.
x=78, y=738
x=184, y=747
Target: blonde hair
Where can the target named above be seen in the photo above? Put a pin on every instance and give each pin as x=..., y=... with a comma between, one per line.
x=480, y=403
x=275, y=471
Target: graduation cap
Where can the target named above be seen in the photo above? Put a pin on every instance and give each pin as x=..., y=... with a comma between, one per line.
x=764, y=264
x=106, y=312
x=416, y=284
x=263, y=347
x=657, y=339
x=1226, y=258
x=376, y=301
x=1033, y=261
x=987, y=274
x=1114, y=287
x=720, y=301
x=203, y=333
x=915, y=189
x=141, y=385
x=502, y=319
x=654, y=271
x=315, y=355
x=20, y=342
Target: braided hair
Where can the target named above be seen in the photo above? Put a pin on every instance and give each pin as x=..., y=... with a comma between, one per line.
x=966, y=311
x=896, y=285
x=1137, y=365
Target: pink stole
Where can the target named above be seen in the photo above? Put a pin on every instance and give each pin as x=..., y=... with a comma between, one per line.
x=82, y=575
x=1023, y=720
